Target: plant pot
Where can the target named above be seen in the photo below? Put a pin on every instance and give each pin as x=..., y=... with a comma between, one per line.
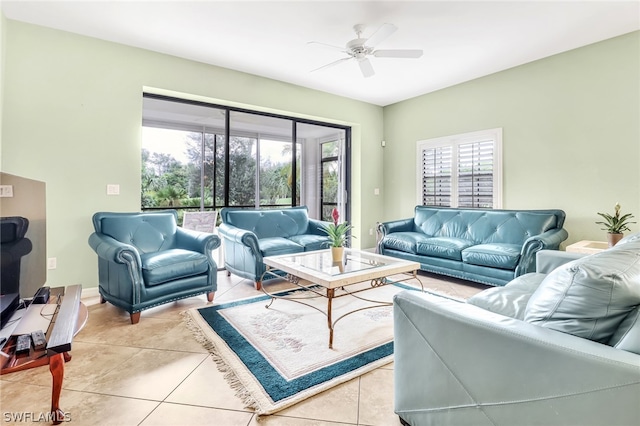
x=613, y=239
x=337, y=254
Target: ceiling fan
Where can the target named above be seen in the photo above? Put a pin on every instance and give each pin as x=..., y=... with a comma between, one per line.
x=360, y=48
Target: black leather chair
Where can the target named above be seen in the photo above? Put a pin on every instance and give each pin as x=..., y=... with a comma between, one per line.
x=13, y=246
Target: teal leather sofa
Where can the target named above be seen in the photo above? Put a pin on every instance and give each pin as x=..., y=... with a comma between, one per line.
x=249, y=235
x=145, y=260
x=488, y=246
x=560, y=346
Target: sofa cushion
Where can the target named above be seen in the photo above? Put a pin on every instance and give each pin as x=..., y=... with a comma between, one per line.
x=404, y=241
x=278, y=245
x=169, y=265
x=311, y=242
x=627, y=335
x=503, y=256
x=510, y=300
x=445, y=247
x=591, y=296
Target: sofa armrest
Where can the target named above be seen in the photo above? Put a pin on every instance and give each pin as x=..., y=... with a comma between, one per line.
x=456, y=363
x=316, y=227
x=16, y=249
x=386, y=228
x=112, y=250
x=549, y=240
x=202, y=242
x=234, y=235
x=548, y=260
x=402, y=225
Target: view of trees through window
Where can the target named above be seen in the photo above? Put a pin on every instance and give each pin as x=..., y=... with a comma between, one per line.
x=330, y=176
x=200, y=157
x=191, y=173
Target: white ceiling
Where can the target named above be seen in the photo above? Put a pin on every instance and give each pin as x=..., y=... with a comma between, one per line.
x=462, y=40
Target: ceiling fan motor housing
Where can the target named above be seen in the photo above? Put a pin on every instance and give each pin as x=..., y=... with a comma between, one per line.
x=357, y=49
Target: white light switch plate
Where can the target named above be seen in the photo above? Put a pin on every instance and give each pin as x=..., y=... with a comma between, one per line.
x=113, y=189
x=6, y=190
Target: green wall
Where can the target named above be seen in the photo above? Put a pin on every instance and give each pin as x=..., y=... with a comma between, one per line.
x=72, y=118
x=72, y=105
x=571, y=133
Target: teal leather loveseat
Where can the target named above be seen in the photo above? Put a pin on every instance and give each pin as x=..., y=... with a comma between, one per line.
x=556, y=347
x=488, y=246
x=248, y=235
x=146, y=259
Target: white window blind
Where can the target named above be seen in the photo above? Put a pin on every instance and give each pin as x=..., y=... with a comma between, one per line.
x=461, y=170
x=436, y=176
x=475, y=174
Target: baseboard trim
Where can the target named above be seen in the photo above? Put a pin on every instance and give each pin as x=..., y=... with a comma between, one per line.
x=89, y=292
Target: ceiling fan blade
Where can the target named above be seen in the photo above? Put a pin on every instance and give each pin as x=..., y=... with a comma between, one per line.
x=381, y=33
x=366, y=67
x=331, y=64
x=398, y=53
x=330, y=46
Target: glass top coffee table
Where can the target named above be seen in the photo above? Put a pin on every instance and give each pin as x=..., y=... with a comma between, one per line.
x=316, y=273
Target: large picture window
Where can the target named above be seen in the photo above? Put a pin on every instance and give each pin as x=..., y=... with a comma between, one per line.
x=199, y=156
x=461, y=170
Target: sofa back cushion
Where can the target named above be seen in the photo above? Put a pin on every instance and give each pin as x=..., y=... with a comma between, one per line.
x=269, y=223
x=148, y=232
x=510, y=300
x=486, y=225
x=589, y=297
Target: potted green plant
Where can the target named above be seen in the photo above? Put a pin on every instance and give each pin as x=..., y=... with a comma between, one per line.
x=337, y=233
x=615, y=225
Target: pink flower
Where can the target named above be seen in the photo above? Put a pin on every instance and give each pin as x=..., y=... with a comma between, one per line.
x=335, y=215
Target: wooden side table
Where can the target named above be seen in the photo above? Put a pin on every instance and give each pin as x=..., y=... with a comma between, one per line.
x=587, y=247
x=69, y=318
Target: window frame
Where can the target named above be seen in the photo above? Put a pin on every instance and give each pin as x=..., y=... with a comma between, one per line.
x=454, y=141
x=228, y=132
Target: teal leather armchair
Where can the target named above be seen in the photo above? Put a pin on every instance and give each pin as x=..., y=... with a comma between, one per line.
x=145, y=260
x=249, y=235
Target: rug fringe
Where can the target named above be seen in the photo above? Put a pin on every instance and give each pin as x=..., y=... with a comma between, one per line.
x=229, y=375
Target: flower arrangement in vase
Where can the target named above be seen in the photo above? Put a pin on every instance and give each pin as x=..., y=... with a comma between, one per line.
x=615, y=225
x=337, y=233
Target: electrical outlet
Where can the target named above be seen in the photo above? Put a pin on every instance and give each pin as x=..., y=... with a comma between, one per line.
x=52, y=263
x=370, y=231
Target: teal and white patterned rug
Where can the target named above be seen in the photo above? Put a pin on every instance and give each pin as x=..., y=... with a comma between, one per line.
x=279, y=356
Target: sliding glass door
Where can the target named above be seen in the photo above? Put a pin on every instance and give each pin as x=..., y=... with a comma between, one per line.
x=204, y=157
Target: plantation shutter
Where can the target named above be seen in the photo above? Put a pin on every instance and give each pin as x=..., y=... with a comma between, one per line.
x=475, y=174
x=436, y=176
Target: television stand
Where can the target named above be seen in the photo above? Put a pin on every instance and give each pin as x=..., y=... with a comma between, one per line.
x=69, y=317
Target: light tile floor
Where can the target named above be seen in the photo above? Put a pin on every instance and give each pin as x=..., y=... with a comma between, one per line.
x=155, y=373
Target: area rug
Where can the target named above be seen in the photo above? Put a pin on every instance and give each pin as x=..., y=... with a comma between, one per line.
x=278, y=356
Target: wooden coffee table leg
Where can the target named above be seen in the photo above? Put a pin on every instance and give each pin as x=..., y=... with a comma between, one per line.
x=56, y=366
